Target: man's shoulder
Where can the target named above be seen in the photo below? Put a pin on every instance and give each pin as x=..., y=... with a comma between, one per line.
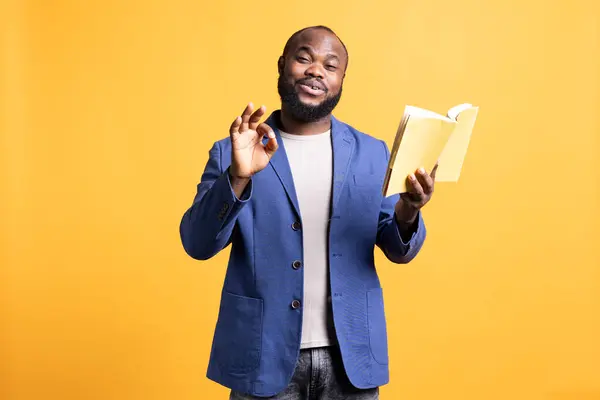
x=223, y=144
x=361, y=136
x=226, y=141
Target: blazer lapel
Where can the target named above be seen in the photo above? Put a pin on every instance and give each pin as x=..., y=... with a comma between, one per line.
x=281, y=165
x=343, y=148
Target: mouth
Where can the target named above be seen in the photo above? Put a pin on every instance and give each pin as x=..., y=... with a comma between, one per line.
x=312, y=87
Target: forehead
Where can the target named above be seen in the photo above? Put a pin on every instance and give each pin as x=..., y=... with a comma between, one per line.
x=320, y=40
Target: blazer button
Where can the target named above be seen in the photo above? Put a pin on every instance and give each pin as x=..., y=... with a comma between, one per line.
x=295, y=304
x=296, y=264
x=296, y=225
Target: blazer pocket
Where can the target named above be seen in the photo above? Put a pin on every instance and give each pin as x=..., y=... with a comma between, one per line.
x=238, y=335
x=370, y=184
x=377, y=325
x=365, y=179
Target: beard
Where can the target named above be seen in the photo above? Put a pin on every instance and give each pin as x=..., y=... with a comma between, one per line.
x=301, y=111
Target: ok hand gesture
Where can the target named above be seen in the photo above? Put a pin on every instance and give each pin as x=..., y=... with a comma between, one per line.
x=249, y=154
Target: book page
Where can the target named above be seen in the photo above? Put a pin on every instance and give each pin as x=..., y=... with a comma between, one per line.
x=423, y=113
x=455, y=111
x=422, y=143
x=452, y=158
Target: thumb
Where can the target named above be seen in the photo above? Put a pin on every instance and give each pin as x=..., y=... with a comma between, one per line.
x=434, y=171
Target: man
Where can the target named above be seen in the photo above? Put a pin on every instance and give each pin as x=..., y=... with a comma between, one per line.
x=299, y=198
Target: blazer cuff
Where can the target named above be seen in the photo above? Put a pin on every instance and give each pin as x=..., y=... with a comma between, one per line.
x=246, y=194
x=230, y=203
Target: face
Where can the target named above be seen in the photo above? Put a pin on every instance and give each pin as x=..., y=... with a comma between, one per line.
x=311, y=75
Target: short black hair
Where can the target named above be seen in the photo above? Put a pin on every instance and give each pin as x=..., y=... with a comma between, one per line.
x=286, y=49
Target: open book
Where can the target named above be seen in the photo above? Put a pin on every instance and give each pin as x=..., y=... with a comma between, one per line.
x=424, y=138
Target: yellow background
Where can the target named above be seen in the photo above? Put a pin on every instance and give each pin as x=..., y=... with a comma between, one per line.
x=108, y=112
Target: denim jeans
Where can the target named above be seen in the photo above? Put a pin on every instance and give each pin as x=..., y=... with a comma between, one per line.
x=319, y=375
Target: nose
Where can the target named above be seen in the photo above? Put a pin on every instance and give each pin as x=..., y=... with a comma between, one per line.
x=315, y=70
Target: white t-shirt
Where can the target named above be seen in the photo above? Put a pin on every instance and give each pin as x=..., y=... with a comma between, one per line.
x=311, y=162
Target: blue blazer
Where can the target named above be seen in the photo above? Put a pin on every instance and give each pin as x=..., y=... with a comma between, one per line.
x=257, y=336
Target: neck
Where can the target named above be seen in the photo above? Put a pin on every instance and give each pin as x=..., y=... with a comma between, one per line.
x=292, y=125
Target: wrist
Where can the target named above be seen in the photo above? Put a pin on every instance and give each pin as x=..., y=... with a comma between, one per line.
x=233, y=176
x=238, y=181
x=406, y=216
x=238, y=184
x=406, y=225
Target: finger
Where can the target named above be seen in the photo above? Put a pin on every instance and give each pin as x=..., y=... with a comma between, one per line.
x=235, y=126
x=415, y=189
x=433, y=171
x=271, y=146
x=265, y=130
x=425, y=181
x=256, y=116
x=246, y=117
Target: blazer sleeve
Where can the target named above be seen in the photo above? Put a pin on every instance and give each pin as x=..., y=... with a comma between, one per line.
x=388, y=234
x=206, y=227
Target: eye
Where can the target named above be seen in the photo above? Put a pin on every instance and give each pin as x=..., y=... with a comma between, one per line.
x=302, y=59
x=331, y=67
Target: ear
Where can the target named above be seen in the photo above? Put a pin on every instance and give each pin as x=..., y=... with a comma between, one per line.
x=280, y=65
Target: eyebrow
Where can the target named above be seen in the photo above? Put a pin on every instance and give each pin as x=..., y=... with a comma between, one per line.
x=310, y=50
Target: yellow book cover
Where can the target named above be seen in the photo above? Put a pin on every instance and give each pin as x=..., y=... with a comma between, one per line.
x=425, y=138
